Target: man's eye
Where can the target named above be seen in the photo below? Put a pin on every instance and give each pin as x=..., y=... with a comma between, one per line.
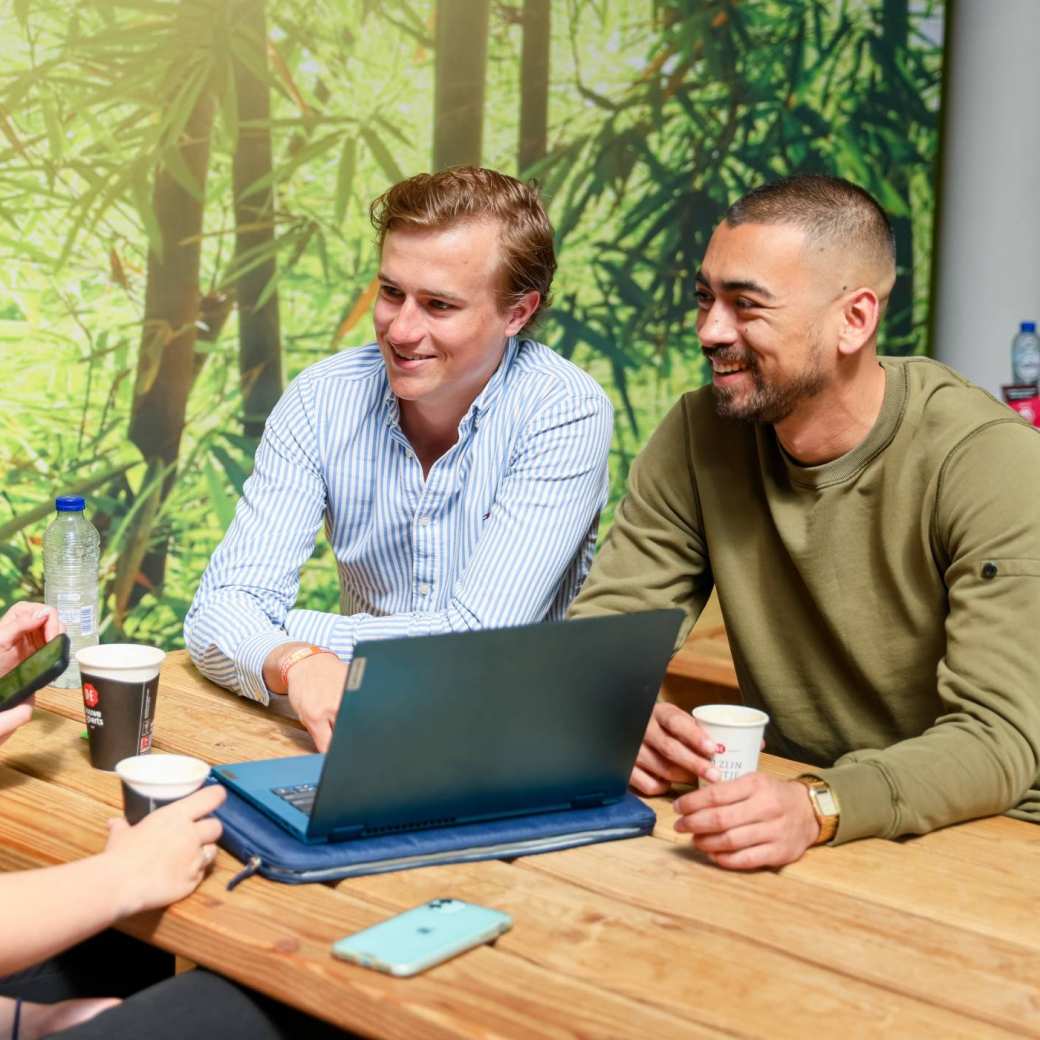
x=744, y=304
x=703, y=297
x=440, y=305
x=390, y=292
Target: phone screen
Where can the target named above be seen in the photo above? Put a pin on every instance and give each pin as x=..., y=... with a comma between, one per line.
x=35, y=671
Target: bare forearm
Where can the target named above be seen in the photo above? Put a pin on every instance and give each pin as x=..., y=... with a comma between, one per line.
x=48, y=910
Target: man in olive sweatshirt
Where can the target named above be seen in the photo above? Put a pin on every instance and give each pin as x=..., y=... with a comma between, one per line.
x=873, y=529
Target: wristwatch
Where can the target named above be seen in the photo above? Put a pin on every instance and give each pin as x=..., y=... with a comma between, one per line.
x=824, y=806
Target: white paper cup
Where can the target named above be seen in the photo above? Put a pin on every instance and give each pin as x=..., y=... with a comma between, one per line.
x=125, y=662
x=152, y=781
x=737, y=734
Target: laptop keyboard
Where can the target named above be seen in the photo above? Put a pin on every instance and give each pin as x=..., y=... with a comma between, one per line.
x=301, y=796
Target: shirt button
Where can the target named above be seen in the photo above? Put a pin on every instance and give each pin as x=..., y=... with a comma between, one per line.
x=989, y=569
x=424, y=521
x=424, y=589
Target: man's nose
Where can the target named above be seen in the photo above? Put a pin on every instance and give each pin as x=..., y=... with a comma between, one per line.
x=715, y=326
x=405, y=326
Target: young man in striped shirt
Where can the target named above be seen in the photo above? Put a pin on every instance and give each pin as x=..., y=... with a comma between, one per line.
x=459, y=468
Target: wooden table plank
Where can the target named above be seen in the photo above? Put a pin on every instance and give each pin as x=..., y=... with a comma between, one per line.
x=675, y=955
x=913, y=955
x=994, y=896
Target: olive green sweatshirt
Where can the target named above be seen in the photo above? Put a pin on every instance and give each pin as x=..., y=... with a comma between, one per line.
x=883, y=608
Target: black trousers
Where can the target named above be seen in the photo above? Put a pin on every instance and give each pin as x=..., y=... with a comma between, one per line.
x=196, y=1005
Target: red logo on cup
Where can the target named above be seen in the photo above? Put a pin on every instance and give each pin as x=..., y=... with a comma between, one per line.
x=720, y=749
x=90, y=695
x=146, y=743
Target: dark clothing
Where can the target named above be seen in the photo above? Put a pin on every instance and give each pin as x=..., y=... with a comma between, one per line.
x=158, y=1005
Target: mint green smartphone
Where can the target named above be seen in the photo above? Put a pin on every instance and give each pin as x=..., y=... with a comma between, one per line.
x=418, y=939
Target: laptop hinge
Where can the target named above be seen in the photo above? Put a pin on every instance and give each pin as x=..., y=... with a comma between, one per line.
x=588, y=801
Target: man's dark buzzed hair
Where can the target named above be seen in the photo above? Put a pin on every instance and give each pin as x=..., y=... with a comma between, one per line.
x=826, y=208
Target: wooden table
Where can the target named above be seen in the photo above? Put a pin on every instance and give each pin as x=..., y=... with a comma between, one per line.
x=936, y=937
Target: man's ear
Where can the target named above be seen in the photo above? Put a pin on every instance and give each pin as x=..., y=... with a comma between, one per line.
x=861, y=314
x=520, y=313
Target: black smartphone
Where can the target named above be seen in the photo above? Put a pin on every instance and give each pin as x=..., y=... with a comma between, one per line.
x=37, y=670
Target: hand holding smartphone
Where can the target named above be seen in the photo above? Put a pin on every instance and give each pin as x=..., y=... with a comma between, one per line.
x=35, y=672
x=418, y=939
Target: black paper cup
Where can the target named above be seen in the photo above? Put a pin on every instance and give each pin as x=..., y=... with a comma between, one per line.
x=120, y=684
x=152, y=781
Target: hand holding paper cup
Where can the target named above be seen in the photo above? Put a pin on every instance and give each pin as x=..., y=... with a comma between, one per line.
x=120, y=683
x=152, y=781
x=736, y=732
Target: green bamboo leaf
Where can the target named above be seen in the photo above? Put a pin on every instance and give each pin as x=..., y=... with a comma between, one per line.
x=382, y=156
x=345, y=179
x=235, y=472
x=285, y=170
x=55, y=134
x=219, y=498
x=227, y=97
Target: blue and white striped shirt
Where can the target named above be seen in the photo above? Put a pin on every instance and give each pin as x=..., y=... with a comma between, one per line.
x=500, y=532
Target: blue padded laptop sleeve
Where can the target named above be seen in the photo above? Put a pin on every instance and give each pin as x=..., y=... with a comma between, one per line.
x=269, y=850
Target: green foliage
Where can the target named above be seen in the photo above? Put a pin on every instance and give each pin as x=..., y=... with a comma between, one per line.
x=660, y=114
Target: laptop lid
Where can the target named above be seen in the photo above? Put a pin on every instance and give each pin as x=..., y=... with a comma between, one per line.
x=479, y=725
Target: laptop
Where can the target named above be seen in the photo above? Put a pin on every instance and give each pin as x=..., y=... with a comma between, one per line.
x=440, y=730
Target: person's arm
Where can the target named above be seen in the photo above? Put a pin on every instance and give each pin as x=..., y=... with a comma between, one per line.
x=655, y=557
x=983, y=751
x=238, y=615
x=544, y=510
x=159, y=861
x=655, y=554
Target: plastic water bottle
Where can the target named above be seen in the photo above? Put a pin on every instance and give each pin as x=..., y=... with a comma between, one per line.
x=71, y=552
x=1025, y=354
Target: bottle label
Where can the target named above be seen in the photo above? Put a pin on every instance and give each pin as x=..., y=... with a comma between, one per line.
x=76, y=616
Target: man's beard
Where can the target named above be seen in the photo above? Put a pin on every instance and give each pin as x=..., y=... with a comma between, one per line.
x=768, y=402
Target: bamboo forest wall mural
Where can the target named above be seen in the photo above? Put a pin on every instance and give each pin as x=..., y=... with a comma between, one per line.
x=183, y=216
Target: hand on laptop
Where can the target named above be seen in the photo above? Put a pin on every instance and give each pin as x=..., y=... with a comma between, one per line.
x=315, y=690
x=675, y=750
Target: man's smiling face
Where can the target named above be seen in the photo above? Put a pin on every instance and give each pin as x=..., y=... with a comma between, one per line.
x=437, y=317
x=767, y=312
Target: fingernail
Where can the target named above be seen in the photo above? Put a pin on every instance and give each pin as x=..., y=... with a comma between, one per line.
x=713, y=775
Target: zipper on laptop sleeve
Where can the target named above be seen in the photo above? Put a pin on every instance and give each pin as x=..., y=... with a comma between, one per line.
x=252, y=866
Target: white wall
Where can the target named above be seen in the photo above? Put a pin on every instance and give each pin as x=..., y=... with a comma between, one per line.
x=988, y=261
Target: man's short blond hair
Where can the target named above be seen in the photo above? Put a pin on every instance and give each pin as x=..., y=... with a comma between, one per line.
x=433, y=201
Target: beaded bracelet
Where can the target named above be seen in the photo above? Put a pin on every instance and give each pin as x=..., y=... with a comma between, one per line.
x=299, y=654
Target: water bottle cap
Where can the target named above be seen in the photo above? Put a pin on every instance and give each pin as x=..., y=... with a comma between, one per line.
x=1028, y=326
x=69, y=504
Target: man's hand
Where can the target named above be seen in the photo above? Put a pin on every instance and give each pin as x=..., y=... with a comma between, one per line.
x=675, y=750
x=754, y=821
x=315, y=690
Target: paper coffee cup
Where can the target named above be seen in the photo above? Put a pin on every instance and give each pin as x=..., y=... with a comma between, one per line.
x=152, y=781
x=736, y=732
x=120, y=684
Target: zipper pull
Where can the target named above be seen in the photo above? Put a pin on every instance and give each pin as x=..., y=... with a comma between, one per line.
x=254, y=864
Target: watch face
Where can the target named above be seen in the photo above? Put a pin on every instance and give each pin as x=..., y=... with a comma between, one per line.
x=825, y=801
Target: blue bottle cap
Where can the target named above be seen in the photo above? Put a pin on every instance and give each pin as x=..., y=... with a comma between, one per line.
x=69, y=504
x=1028, y=326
